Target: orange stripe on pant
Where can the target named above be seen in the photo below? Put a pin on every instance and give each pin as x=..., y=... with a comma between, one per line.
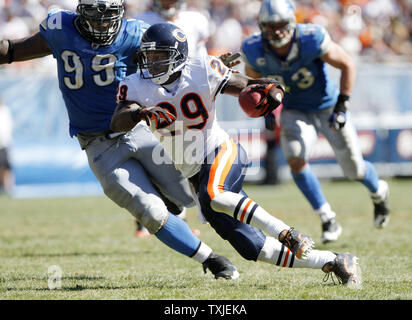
x=216, y=163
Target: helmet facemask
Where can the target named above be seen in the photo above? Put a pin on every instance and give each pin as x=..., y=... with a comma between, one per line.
x=100, y=22
x=159, y=63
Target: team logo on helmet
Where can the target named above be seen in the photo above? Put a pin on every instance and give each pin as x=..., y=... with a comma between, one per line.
x=179, y=35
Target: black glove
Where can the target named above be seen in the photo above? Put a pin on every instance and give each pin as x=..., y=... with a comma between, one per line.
x=152, y=112
x=337, y=119
x=269, y=103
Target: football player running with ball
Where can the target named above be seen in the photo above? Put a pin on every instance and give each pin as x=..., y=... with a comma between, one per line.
x=296, y=55
x=197, y=29
x=95, y=48
x=176, y=96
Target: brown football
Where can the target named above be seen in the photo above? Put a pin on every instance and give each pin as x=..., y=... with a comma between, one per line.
x=251, y=97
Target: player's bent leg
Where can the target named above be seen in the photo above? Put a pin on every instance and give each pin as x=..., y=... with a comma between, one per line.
x=297, y=137
x=160, y=168
x=246, y=239
x=309, y=185
x=345, y=144
x=177, y=210
x=219, y=188
x=129, y=187
x=307, y=182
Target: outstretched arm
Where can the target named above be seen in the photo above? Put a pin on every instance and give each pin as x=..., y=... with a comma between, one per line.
x=32, y=47
x=237, y=82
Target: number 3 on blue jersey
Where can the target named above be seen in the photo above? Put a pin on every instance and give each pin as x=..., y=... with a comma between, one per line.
x=100, y=63
x=303, y=78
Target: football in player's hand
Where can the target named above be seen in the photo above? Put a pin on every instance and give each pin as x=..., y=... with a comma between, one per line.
x=255, y=100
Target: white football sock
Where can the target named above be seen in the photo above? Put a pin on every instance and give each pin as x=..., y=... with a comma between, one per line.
x=381, y=193
x=325, y=212
x=202, y=253
x=246, y=210
x=275, y=253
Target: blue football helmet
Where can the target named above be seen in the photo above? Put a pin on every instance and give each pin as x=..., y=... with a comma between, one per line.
x=163, y=52
x=275, y=13
x=100, y=20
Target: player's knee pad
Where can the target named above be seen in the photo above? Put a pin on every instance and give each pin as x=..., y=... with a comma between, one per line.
x=147, y=208
x=152, y=217
x=354, y=170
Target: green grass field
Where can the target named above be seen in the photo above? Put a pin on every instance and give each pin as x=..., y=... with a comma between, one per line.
x=93, y=242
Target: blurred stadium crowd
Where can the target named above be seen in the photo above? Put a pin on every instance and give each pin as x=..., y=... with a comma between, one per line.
x=378, y=29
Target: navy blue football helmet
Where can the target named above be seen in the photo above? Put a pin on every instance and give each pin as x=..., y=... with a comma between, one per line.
x=163, y=52
x=100, y=20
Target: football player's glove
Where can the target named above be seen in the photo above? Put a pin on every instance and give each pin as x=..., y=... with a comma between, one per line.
x=337, y=119
x=230, y=60
x=150, y=113
x=270, y=103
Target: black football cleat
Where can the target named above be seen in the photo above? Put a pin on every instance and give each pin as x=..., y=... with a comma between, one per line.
x=297, y=242
x=381, y=206
x=221, y=267
x=331, y=230
x=346, y=268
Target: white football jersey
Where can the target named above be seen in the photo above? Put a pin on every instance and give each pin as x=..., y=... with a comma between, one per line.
x=194, y=24
x=195, y=133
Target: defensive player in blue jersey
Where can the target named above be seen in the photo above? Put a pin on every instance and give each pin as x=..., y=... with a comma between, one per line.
x=95, y=49
x=297, y=55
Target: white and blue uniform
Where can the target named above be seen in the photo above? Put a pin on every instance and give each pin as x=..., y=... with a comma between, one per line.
x=310, y=97
x=88, y=78
x=302, y=72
